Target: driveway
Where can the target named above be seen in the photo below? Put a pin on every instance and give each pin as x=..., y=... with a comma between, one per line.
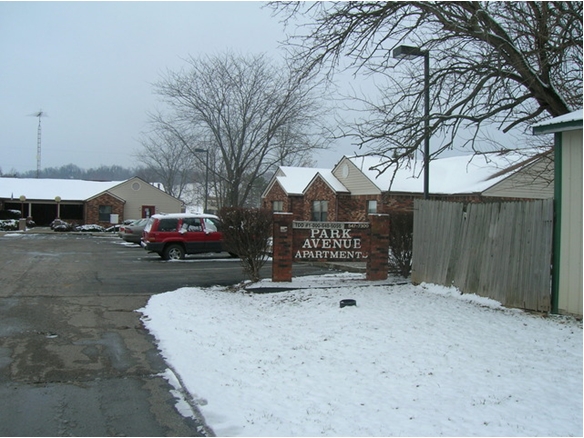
x=74, y=356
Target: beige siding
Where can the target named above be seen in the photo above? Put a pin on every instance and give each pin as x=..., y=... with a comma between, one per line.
x=570, y=280
x=536, y=181
x=353, y=179
x=137, y=193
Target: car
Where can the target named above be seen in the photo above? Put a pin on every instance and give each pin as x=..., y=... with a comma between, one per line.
x=133, y=233
x=124, y=224
x=172, y=236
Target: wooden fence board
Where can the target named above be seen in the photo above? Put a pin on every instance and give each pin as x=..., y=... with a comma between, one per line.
x=497, y=250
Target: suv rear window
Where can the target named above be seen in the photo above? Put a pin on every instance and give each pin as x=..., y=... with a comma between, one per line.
x=168, y=224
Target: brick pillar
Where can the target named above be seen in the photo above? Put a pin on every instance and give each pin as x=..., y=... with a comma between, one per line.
x=282, y=247
x=378, y=261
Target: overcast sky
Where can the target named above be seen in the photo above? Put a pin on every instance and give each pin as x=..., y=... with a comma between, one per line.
x=89, y=66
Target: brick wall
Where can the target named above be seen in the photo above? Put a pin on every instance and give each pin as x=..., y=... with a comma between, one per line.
x=319, y=191
x=353, y=208
x=276, y=193
x=92, y=209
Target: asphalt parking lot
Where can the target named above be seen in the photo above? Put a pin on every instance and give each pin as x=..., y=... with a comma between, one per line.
x=74, y=356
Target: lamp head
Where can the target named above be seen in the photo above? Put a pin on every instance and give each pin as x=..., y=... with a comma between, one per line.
x=407, y=52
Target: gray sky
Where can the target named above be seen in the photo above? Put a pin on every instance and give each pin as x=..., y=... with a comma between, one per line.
x=90, y=66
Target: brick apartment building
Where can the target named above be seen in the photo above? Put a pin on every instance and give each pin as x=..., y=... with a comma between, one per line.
x=354, y=188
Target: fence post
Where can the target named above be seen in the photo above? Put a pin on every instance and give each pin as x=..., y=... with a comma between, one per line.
x=282, y=247
x=378, y=260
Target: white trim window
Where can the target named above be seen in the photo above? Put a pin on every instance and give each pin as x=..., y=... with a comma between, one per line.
x=277, y=206
x=372, y=206
x=319, y=211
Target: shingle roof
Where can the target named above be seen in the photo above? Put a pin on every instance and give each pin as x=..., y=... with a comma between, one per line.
x=294, y=180
x=450, y=175
x=48, y=189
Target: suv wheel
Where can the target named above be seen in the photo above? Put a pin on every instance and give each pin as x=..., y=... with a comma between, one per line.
x=173, y=252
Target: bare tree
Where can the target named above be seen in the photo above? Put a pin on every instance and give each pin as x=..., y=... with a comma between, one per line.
x=166, y=154
x=248, y=113
x=500, y=65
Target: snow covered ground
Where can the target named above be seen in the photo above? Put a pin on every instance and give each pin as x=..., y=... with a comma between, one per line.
x=406, y=361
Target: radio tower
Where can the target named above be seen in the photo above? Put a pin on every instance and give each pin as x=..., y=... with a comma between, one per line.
x=39, y=114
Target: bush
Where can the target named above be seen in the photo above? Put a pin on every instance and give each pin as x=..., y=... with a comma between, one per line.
x=60, y=225
x=90, y=228
x=9, y=225
x=401, y=240
x=246, y=233
x=10, y=214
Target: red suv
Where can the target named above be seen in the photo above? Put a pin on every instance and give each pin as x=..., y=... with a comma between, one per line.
x=172, y=236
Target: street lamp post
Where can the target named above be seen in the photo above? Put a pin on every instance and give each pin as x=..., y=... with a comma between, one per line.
x=409, y=52
x=58, y=201
x=22, y=200
x=206, y=177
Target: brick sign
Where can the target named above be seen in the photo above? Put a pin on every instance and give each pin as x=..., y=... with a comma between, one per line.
x=330, y=240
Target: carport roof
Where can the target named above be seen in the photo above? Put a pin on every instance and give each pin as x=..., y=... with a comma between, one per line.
x=48, y=189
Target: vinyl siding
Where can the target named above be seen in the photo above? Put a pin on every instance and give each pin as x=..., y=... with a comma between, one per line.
x=570, y=275
x=145, y=195
x=534, y=182
x=355, y=181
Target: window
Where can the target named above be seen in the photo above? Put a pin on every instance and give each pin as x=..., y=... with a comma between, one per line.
x=168, y=224
x=371, y=207
x=277, y=205
x=192, y=224
x=319, y=211
x=211, y=224
x=104, y=213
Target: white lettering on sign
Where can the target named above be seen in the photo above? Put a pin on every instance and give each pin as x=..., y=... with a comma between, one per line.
x=329, y=225
x=331, y=243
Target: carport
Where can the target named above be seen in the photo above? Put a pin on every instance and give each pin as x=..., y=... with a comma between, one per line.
x=47, y=199
x=44, y=212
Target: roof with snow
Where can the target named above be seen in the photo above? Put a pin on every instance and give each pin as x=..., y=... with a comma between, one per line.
x=566, y=122
x=49, y=189
x=450, y=175
x=294, y=180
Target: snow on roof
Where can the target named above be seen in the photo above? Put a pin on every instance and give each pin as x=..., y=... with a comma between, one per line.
x=574, y=116
x=294, y=180
x=49, y=189
x=451, y=175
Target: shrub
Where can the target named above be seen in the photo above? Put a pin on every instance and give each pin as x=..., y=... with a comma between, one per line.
x=401, y=239
x=90, y=228
x=10, y=214
x=60, y=225
x=8, y=225
x=246, y=233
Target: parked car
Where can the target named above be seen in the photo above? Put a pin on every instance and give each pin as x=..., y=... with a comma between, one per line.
x=124, y=225
x=133, y=232
x=172, y=236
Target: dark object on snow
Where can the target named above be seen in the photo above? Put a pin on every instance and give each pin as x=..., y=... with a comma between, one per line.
x=8, y=225
x=9, y=214
x=348, y=303
x=90, y=228
x=59, y=225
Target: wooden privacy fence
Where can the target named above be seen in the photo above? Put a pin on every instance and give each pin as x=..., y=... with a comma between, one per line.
x=501, y=250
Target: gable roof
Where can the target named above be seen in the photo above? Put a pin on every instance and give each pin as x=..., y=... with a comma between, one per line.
x=330, y=180
x=294, y=180
x=48, y=189
x=450, y=175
